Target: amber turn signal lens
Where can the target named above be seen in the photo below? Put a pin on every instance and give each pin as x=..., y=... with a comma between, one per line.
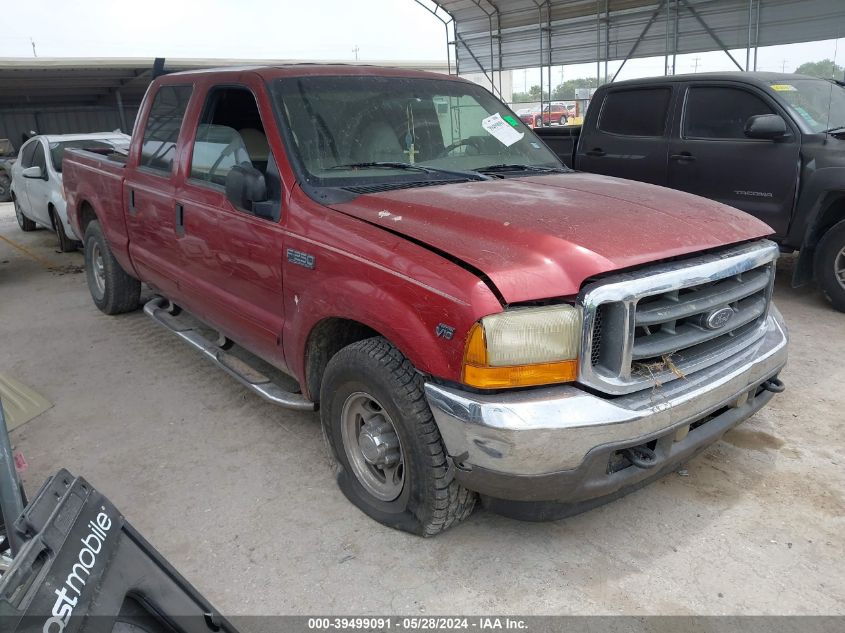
x=476, y=351
x=520, y=375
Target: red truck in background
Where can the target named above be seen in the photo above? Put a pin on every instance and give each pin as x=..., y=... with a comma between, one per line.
x=472, y=319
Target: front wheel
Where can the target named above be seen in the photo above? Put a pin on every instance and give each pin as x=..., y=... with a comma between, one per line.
x=392, y=462
x=112, y=289
x=24, y=222
x=830, y=265
x=562, y=120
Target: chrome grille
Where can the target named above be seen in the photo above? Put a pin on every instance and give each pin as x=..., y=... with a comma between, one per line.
x=651, y=326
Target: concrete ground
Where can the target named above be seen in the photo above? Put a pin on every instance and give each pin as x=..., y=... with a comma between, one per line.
x=240, y=497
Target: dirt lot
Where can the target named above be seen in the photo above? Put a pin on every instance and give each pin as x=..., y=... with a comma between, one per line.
x=240, y=497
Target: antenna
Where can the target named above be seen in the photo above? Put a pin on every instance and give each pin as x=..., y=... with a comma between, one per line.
x=32, y=41
x=355, y=50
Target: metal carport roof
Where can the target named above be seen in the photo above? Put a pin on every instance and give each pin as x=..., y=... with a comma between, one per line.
x=494, y=35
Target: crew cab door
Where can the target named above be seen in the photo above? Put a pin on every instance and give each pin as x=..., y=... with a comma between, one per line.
x=627, y=134
x=232, y=257
x=149, y=190
x=710, y=155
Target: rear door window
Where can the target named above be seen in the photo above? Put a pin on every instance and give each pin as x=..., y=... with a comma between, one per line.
x=636, y=112
x=720, y=112
x=158, y=149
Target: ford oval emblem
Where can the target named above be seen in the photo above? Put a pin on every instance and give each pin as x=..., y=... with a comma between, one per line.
x=718, y=318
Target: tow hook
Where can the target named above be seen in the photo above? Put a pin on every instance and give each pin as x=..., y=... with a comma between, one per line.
x=641, y=456
x=775, y=385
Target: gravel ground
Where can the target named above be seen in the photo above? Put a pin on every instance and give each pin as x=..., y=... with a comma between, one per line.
x=240, y=497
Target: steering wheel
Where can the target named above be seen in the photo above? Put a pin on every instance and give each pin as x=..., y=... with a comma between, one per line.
x=464, y=142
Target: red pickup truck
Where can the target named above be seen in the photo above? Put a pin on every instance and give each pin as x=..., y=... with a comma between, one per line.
x=472, y=319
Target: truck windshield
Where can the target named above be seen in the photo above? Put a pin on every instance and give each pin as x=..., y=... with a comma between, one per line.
x=360, y=128
x=817, y=102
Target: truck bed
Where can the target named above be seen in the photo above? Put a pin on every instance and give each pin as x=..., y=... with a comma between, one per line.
x=562, y=140
x=95, y=181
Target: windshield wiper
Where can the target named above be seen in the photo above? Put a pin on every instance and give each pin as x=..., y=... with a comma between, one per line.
x=519, y=167
x=386, y=164
x=837, y=128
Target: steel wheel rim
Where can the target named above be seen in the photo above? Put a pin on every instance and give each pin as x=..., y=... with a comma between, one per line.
x=839, y=267
x=372, y=446
x=98, y=269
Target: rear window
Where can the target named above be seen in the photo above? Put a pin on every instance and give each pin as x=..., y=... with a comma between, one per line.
x=638, y=112
x=159, y=144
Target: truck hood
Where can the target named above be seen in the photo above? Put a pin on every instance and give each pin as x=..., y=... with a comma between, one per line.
x=541, y=236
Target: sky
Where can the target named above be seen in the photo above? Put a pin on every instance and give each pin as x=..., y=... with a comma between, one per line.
x=296, y=29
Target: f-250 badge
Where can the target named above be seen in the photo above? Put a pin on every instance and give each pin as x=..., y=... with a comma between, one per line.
x=301, y=259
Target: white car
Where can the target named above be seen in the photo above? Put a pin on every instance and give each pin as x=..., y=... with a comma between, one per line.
x=37, y=190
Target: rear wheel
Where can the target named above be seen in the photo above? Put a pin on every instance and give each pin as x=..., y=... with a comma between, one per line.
x=392, y=462
x=830, y=265
x=66, y=243
x=112, y=289
x=24, y=222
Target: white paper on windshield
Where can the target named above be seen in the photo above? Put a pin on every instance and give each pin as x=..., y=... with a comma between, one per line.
x=501, y=129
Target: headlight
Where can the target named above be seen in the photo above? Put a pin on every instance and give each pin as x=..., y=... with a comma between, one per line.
x=523, y=347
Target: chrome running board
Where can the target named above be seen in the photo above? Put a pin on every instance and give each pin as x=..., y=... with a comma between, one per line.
x=248, y=376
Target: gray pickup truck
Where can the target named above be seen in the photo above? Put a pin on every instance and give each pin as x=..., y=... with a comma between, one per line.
x=771, y=144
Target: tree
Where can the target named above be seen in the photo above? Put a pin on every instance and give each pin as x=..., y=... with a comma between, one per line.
x=566, y=90
x=533, y=94
x=825, y=69
x=563, y=92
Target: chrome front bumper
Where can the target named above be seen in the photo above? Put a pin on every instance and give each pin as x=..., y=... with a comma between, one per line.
x=540, y=433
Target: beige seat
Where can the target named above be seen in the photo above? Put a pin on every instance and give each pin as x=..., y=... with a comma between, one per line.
x=378, y=142
x=256, y=145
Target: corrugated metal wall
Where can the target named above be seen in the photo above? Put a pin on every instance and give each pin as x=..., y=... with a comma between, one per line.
x=14, y=123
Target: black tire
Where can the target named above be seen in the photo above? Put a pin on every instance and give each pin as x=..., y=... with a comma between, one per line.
x=24, y=222
x=66, y=243
x=5, y=187
x=562, y=120
x=830, y=257
x=431, y=500
x=120, y=292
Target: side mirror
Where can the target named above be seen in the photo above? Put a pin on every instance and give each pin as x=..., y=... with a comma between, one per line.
x=32, y=172
x=245, y=187
x=769, y=127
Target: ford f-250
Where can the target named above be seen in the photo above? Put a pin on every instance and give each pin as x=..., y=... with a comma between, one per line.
x=771, y=144
x=472, y=319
